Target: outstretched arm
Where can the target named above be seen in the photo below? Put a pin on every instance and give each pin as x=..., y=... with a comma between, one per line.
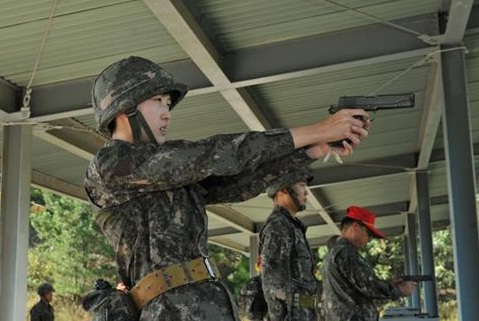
x=362, y=277
x=179, y=163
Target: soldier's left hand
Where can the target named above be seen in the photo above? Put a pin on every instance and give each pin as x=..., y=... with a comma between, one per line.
x=321, y=150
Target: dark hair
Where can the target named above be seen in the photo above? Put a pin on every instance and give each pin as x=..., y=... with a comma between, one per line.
x=45, y=288
x=112, y=126
x=347, y=222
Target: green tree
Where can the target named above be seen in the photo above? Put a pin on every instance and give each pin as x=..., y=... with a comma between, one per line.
x=444, y=265
x=234, y=267
x=71, y=252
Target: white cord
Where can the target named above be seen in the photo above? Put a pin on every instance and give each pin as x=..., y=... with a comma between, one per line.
x=28, y=93
x=417, y=63
x=374, y=18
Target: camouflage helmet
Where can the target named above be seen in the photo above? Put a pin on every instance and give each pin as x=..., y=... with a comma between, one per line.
x=123, y=85
x=288, y=180
x=45, y=288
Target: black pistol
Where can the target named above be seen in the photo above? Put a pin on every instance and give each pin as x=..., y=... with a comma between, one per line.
x=372, y=103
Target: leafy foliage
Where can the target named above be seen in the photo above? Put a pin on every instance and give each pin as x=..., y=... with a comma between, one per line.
x=71, y=252
x=444, y=263
x=234, y=267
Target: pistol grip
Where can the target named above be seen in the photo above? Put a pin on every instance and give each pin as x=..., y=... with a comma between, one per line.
x=339, y=143
x=359, y=117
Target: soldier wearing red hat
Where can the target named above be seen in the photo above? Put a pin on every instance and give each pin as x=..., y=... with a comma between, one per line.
x=350, y=285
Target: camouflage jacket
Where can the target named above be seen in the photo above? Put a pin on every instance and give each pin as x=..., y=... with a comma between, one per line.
x=287, y=266
x=42, y=311
x=151, y=206
x=350, y=285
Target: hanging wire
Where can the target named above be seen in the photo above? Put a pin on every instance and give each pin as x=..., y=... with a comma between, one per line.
x=417, y=63
x=49, y=126
x=28, y=94
x=373, y=18
x=27, y=97
x=428, y=57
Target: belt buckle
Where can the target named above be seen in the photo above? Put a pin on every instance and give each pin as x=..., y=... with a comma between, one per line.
x=209, y=268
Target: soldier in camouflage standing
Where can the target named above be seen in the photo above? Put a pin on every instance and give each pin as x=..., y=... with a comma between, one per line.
x=288, y=265
x=350, y=285
x=150, y=194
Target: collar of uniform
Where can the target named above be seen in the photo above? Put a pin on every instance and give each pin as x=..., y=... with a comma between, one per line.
x=342, y=241
x=292, y=219
x=45, y=303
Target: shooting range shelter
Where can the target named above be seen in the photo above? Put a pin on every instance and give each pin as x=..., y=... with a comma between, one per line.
x=253, y=65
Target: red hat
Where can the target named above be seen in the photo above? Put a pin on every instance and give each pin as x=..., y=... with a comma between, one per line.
x=366, y=217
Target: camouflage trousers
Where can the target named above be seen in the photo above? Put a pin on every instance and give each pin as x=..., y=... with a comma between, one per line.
x=209, y=301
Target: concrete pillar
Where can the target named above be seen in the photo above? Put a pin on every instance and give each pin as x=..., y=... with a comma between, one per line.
x=413, y=256
x=456, y=123
x=15, y=198
x=425, y=236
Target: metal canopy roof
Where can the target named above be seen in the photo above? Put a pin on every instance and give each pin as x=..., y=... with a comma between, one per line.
x=251, y=64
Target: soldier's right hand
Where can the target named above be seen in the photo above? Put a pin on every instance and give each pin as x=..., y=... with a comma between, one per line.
x=340, y=126
x=352, y=124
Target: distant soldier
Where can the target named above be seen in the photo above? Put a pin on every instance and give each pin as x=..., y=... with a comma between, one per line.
x=288, y=264
x=43, y=310
x=151, y=193
x=350, y=285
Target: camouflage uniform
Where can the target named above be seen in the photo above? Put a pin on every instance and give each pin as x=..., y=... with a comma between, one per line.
x=42, y=311
x=350, y=285
x=287, y=266
x=151, y=206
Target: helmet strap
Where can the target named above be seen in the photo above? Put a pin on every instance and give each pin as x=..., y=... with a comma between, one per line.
x=138, y=122
x=294, y=196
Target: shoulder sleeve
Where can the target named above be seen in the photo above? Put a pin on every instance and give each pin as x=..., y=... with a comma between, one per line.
x=276, y=243
x=35, y=314
x=362, y=277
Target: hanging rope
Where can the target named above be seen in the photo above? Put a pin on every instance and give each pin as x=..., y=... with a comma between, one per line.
x=373, y=18
x=28, y=93
x=418, y=63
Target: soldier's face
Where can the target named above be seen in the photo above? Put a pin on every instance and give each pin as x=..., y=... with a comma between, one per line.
x=364, y=235
x=156, y=112
x=48, y=297
x=302, y=191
